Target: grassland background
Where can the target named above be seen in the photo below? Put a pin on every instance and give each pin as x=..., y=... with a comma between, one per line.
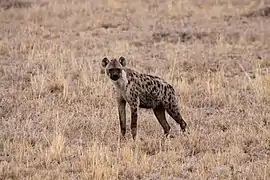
x=59, y=118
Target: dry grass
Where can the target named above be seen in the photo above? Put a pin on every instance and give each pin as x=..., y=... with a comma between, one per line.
x=58, y=114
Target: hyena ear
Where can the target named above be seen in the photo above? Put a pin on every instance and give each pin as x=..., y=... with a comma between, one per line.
x=122, y=61
x=104, y=62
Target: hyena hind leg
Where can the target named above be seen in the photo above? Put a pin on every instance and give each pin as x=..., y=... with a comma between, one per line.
x=160, y=115
x=173, y=110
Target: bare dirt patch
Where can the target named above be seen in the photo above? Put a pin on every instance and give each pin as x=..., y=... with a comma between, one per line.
x=7, y=4
x=204, y=37
x=174, y=37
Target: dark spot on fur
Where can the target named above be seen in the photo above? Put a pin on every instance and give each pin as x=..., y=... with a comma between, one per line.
x=165, y=89
x=143, y=86
x=170, y=99
x=153, y=77
x=169, y=86
x=134, y=80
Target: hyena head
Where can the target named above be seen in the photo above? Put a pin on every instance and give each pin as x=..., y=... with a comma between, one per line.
x=113, y=68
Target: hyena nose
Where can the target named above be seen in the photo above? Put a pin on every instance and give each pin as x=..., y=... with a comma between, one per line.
x=115, y=77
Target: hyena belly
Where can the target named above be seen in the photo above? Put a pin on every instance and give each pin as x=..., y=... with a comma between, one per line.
x=147, y=102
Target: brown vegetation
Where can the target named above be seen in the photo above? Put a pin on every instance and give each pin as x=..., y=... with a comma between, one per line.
x=58, y=115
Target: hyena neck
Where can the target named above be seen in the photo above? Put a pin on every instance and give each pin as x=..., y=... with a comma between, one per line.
x=122, y=82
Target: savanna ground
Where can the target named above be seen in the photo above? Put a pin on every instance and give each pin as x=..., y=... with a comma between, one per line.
x=59, y=118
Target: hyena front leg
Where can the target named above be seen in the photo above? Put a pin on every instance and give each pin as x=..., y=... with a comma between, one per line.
x=122, y=115
x=133, y=102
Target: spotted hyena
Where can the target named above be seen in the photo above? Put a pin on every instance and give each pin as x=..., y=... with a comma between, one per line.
x=141, y=91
